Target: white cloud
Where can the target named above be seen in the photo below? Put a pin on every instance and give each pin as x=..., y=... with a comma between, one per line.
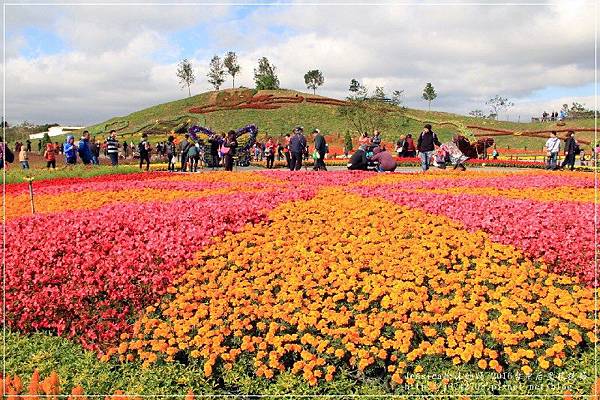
x=469, y=53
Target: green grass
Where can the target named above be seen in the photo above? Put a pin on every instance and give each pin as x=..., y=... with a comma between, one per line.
x=17, y=175
x=75, y=366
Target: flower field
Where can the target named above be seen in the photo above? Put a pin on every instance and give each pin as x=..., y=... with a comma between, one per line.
x=309, y=283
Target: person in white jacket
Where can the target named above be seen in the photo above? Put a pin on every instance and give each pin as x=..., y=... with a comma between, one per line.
x=552, y=147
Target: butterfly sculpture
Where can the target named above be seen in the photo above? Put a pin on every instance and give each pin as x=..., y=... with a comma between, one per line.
x=246, y=137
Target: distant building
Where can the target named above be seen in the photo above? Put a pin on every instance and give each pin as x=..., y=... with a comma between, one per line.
x=56, y=131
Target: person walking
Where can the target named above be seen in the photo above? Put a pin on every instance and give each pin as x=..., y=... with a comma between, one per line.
x=270, y=149
x=193, y=156
x=286, y=150
x=24, y=157
x=426, y=143
x=320, y=148
x=297, y=148
x=184, y=146
x=228, y=150
x=6, y=155
x=171, y=153
x=40, y=146
x=28, y=145
x=571, y=150
x=144, y=149
x=50, y=156
x=112, y=145
x=552, y=148
x=70, y=150
x=125, y=149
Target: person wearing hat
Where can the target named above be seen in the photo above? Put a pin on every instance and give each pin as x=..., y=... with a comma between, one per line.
x=297, y=148
x=320, y=149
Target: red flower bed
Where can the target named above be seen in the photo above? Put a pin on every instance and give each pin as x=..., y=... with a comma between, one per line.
x=88, y=274
x=260, y=106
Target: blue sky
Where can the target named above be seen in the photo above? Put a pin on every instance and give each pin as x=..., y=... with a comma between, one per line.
x=84, y=64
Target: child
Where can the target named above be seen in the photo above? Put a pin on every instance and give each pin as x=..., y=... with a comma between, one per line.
x=50, y=156
x=24, y=158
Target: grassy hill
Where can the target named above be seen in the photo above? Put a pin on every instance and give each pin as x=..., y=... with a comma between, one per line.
x=161, y=119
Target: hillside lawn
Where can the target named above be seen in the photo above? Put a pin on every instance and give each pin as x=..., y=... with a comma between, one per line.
x=159, y=120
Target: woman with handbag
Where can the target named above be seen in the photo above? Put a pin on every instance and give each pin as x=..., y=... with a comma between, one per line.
x=228, y=150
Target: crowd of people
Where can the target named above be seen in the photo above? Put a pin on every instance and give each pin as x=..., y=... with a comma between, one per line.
x=553, y=116
x=191, y=154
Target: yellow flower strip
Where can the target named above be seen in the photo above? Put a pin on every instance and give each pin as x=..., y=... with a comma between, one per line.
x=563, y=193
x=20, y=205
x=331, y=282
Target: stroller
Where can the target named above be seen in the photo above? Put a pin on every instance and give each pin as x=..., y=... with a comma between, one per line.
x=449, y=154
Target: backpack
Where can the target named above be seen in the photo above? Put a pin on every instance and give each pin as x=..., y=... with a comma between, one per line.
x=9, y=157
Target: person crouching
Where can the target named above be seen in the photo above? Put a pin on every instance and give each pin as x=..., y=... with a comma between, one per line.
x=386, y=161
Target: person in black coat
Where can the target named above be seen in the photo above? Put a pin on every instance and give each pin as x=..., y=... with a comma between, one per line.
x=571, y=150
x=426, y=143
x=321, y=148
x=358, y=161
x=297, y=149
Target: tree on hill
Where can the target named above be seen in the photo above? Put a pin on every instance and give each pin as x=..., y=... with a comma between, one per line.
x=498, y=104
x=185, y=73
x=216, y=73
x=379, y=93
x=231, y=63
x=45, y=140
x=265, y=76
x=354, y=86
x=348, y=142
x=314, y=79
x=357, y=91
x=429, y=94
x=397, y=97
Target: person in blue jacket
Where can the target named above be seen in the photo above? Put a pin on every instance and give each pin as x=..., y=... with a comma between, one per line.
x=70, y=150
x=85, y=152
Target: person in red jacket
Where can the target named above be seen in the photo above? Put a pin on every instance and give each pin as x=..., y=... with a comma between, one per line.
x=50, y=156
x=410, y=150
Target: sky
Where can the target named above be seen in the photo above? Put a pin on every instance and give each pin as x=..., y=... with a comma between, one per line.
x=82, y=64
